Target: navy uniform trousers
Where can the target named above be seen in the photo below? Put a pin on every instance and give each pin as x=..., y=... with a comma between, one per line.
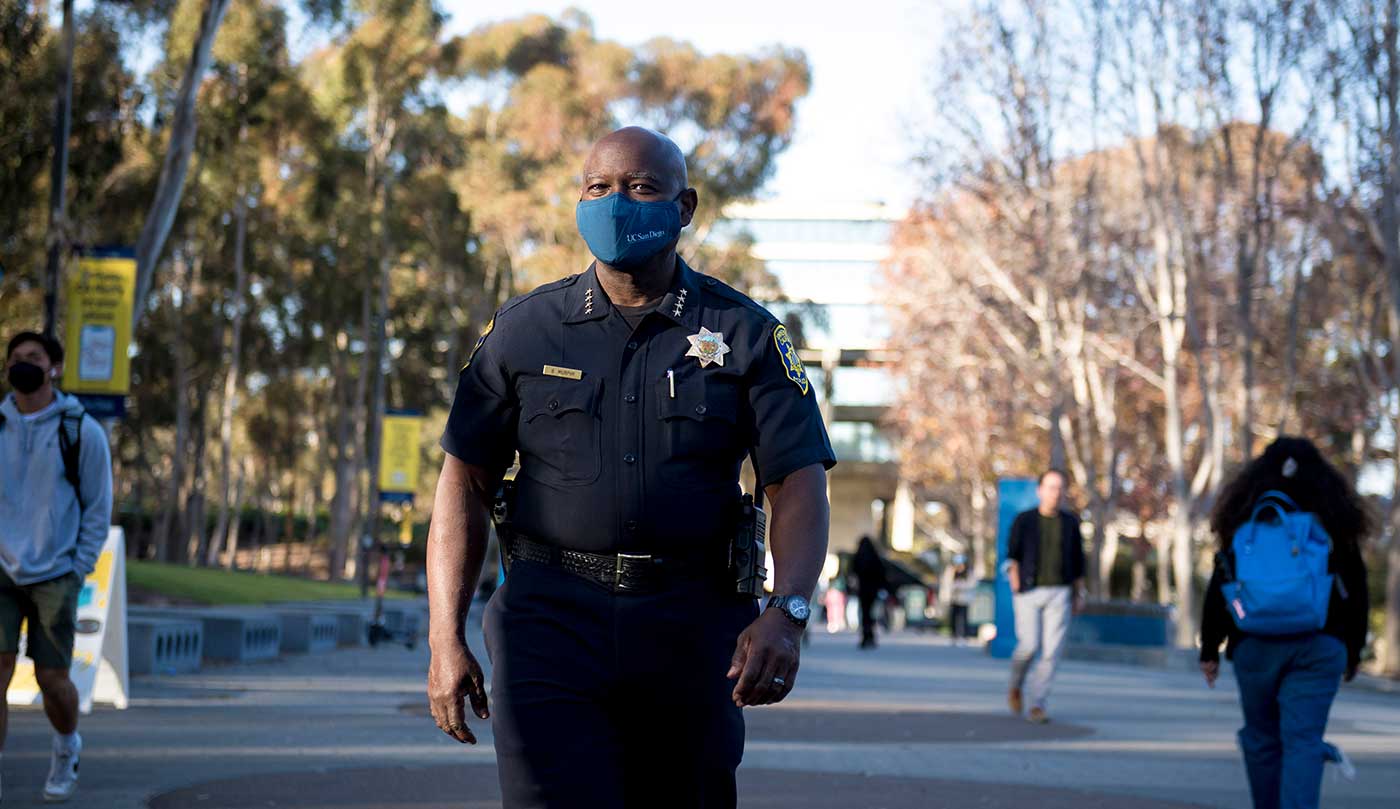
x=602, y=699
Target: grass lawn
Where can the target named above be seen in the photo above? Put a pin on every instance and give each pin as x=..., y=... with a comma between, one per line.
x=213, y=586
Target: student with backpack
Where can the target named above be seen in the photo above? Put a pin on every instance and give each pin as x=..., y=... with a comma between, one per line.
x=55, y=506
x=1288, y=597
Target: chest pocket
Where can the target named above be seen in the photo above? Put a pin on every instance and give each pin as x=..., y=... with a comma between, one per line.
x=560, y=430
x=699, y=426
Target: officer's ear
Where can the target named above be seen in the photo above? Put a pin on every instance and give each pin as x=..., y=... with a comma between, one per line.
x=689, y=200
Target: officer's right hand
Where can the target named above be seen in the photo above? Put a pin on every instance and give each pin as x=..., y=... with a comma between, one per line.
x=454, y=676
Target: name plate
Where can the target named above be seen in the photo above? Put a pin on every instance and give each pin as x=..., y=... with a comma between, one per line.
x=562, y=373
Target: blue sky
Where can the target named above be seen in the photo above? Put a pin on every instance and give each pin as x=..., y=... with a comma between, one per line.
x=869, y=60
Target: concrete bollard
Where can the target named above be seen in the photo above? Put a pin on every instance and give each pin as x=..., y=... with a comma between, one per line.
x=164, y=645
x=308, y=631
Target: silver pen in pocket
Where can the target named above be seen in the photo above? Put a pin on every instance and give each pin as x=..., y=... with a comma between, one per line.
x=671, y=379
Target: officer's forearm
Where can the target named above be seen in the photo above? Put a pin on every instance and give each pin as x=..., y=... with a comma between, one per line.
x=457, y=538
x=798, y=528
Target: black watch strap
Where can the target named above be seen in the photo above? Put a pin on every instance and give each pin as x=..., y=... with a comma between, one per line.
x=784, y=605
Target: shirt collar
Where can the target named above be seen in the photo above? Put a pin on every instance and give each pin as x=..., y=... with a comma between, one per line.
x=682, y=304
x=587, y=301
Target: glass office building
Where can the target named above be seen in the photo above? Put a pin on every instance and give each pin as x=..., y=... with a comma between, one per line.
x=827, y=261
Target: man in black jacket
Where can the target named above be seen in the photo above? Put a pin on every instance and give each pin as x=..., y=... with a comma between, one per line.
x=1045, y=564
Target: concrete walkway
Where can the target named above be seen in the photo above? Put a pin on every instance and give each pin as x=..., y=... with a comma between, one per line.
x=915, y=723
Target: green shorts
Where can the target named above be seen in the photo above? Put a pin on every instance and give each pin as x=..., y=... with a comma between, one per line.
x=51, y=608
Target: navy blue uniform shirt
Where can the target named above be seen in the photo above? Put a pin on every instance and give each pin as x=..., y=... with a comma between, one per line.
x=615, y=454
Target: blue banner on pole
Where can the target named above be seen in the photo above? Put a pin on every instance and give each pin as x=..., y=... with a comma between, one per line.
x=103, y=407
x=396, y=497
x=1014, y=495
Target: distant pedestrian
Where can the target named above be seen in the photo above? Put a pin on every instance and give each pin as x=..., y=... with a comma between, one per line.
x=1291, y=644
x=869, y=570
x=1045, y=564
x=55, y=506
x=834, y=602
x=959, y=587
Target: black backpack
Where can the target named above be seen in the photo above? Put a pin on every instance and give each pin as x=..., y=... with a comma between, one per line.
x=70, y=448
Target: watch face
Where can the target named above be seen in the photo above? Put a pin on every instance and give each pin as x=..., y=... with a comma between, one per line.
x=798, y=608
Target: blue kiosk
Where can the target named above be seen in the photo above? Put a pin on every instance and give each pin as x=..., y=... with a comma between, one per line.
x=1014, y=495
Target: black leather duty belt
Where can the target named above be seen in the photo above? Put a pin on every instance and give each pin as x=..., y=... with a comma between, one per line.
x=619, y=572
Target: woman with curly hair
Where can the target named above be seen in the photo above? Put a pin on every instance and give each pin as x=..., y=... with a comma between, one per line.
x=1288, y=682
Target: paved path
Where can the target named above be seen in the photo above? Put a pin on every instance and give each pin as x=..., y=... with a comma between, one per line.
x=915, y=723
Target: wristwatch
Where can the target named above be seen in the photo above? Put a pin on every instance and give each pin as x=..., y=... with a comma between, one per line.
x=795, y=608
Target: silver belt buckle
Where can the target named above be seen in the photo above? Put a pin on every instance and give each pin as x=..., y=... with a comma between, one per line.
x=617, y=572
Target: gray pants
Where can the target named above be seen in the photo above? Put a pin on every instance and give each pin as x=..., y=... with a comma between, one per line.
x=1042, y=621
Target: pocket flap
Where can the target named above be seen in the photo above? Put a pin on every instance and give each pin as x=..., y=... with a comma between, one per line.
x=698, y=399
x=555, y=397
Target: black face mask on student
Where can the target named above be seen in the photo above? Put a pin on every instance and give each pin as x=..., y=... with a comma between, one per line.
x=26, y=377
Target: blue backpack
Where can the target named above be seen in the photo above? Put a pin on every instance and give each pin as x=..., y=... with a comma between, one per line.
x=1277, y=579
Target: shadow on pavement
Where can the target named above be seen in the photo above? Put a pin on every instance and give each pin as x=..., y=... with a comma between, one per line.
x=474, y=787
x=867, y=723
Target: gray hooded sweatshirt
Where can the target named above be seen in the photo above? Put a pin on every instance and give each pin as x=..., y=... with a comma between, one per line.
x=43, y=532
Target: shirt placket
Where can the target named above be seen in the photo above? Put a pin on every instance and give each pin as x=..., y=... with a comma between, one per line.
x=632, y=406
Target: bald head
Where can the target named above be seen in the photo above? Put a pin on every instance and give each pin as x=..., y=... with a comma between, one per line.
x=637, y=153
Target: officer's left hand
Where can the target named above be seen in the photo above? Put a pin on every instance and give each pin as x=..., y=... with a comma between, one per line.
x=769, y=648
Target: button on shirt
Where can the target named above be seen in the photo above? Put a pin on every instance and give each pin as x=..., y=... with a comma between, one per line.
x=626, y=443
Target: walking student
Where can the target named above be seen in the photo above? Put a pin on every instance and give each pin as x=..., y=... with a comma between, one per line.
x=55, y=506
x=1288, y=597
x=1045, y=565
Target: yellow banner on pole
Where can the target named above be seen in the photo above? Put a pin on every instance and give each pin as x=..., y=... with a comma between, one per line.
x=100, y=295
x=399, y=455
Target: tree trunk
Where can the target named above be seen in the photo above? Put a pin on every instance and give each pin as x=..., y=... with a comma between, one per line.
x=1390, y=660
x=1390, y=629
x=1172, y=328
x=170, y=502
x=58, y=200
x=979, y=529
x=343, y=500
x=171, y=185
x=381, y=135
x=1139, y=587
x=1184, y=574
x=195, y=533
x=231, y=378
x=1109, y=557
x=237, y=526
x=1390, y=234
x=1245, y=290
x=1163, y=546
x=1290, y=357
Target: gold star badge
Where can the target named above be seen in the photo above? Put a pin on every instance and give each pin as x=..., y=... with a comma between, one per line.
x=707, y=346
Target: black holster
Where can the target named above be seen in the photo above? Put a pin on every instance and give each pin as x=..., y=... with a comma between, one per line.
x=748, y=550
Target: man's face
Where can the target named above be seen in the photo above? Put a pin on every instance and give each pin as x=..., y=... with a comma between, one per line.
x=633, y=165
x=1051, y=491
x=33, y=353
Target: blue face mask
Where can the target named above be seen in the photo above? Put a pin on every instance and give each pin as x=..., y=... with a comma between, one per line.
x=622, y=232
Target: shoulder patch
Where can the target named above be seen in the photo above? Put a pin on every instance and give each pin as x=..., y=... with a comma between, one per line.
x=791, y=362
x=490, y=324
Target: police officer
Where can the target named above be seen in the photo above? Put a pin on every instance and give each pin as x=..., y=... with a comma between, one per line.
x=621, y=653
